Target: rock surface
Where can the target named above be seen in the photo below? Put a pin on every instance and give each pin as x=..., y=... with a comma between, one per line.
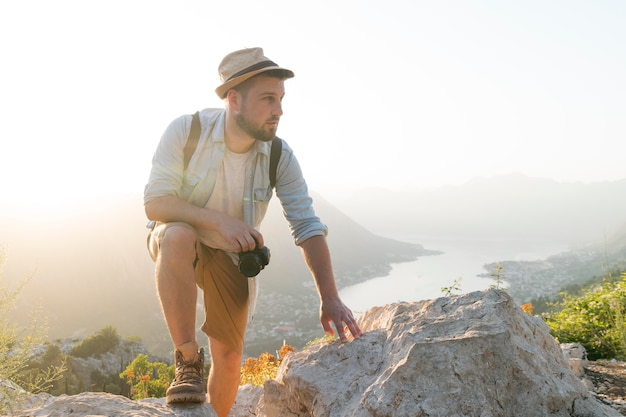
x=476, y=354
x=473, y=355
x=607, y=381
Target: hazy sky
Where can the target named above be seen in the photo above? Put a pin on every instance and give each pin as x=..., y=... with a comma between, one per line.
x=387, y=93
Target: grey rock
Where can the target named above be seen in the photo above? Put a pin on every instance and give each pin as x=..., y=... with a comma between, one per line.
x=103, y=404
x=477, y=354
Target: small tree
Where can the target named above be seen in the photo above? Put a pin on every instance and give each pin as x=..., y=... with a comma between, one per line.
x=147, y=379
x=17, y=350
x=498, y=275
x=452, y=289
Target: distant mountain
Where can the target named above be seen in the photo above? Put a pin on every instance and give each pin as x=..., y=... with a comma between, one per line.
x=90, y=267
x=510, y=206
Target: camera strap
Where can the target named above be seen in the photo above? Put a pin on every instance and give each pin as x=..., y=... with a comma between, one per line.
x=194, y=137
x=192, y=140
x=277, y=148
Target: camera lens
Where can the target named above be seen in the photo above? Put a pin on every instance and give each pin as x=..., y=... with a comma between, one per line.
x=252, y=262
x=249, y=264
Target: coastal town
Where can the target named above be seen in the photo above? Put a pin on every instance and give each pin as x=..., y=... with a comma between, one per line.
x=528, y=280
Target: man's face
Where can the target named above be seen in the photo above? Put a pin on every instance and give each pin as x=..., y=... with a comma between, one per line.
x=261, y=107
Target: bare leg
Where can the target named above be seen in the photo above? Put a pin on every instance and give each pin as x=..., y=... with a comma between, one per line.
x=224, y=376
x=176, y=285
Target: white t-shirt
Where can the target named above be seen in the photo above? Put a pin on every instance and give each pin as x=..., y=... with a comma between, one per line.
x=227, y=196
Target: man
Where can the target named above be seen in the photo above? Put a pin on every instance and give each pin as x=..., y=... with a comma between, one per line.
x=207, y=213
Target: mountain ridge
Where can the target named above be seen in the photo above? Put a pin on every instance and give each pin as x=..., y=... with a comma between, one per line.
x=502, y=206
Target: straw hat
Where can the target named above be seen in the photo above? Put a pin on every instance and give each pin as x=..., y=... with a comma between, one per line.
x=238, y=66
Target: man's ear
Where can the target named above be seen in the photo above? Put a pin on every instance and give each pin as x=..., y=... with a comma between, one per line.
x=234, y=99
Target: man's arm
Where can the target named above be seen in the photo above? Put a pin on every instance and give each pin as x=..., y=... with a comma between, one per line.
x=332, y=309
x=174, y=209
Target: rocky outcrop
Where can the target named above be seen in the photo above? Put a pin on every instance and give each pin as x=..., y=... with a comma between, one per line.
x=476, y=354
x=91, y=404
x=473, y=355
x=109, y=363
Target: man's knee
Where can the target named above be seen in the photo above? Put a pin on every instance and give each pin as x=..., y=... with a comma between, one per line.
x=179, y=235
x=178, y=242
x=172, y=240
x=224, y=356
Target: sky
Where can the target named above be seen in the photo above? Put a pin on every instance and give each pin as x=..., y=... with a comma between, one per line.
x=396, y=94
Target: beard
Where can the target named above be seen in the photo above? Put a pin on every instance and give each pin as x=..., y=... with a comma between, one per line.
x=258, y=133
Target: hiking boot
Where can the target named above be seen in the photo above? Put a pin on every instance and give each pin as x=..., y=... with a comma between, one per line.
x=188, y=384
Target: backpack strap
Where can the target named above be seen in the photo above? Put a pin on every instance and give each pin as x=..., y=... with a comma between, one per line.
x=192, y=140
x=194, y=137
x=277, y=148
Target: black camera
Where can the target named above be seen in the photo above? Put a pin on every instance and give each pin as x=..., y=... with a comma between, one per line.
x=252, y=262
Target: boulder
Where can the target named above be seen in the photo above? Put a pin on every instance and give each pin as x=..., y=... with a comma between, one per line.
x=477, y=354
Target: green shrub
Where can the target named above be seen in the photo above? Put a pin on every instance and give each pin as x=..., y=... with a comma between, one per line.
x=98, y=344
x=595, y=320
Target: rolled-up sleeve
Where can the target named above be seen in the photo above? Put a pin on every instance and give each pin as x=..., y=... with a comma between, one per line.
x=297, y=204
x=166, y=176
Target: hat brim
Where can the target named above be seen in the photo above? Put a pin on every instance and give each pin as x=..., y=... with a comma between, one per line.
x=223, y=89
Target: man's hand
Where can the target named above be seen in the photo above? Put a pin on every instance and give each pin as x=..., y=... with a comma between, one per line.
x=336, y=312
x=240, y=236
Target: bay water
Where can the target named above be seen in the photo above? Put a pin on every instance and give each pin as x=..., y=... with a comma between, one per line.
x=463, y=260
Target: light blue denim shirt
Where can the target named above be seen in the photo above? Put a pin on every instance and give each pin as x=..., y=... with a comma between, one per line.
x=196, y=184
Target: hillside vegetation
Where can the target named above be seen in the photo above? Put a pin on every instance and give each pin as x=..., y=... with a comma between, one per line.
x=594, y=316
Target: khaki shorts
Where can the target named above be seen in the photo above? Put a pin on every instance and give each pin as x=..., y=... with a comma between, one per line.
x=225, y=289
